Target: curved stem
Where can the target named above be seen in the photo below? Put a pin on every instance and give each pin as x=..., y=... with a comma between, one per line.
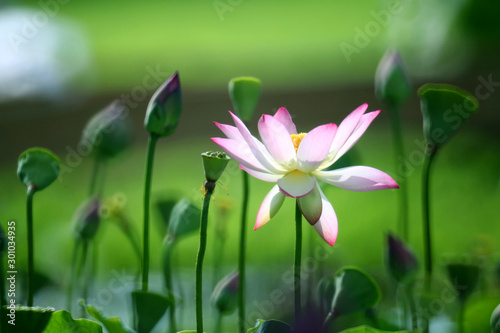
x=426, y=218
x=153, y=138
x=298, y=257
x=31, y=259
x=69, y=293
x=209, y=188
x=397, y=136
x=167, y=269
x=241, y=261
x=94, y=176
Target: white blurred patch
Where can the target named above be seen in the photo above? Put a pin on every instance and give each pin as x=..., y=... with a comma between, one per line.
x=41, y=55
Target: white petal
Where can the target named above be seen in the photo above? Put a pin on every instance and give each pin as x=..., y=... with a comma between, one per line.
x=284, y=117
x=365, y=121
x=311, y=205
x=297, y=184
x=257, y=148
x=277, y=141
x=357, y=178
x=240, y=152
x=327, y=225
x=230, y=131
x=265, y=176
x=314, y=147
x=269, y=207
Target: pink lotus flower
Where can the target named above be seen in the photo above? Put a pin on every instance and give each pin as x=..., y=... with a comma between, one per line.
x=295, y=161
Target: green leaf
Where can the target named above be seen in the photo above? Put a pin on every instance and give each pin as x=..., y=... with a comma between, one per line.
x=38, y=167
x=367, y=329
x=61, y=321
x=445, y=108
x=32, y=320
x=112, y=324
x=270, y=326
x=184, y=219
x=495, y=320
x=354, y=291
x=244, y=93
x=148, y=309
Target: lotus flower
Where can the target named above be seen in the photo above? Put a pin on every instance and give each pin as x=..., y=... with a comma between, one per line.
x=296, y=161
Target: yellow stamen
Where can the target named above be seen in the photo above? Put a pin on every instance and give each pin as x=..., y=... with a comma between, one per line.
x=296, y=139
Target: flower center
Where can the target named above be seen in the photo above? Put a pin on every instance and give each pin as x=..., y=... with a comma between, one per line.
x=297, y=139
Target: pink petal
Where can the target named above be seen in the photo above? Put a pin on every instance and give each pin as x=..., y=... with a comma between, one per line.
x=230, y=131
x=357, y=178
x=344, y=130
x=327, y=225
x=296, y=184
x=314, y=147
x=240, y=152
x=284, y=117
x=363, y=124
x=257, y=148
x=265, y=176
x=269, y=207
x=277, y=141
x=311, y=206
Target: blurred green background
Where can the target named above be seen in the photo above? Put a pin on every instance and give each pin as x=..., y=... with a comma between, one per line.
x=62, y=62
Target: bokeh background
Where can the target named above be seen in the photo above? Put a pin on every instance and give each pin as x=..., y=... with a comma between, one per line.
x=63, y=61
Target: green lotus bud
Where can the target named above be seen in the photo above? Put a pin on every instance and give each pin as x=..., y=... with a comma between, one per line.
x=392, y=84
x=464, y=277
x=87, y=219
x=225, y=295
x=354, y=291
x=495, y=320
x=38, y=167
x=401, y=262
x=164, y=108
x=244, y=93
x=214, y=164
x=444, y=108
x=108, y=132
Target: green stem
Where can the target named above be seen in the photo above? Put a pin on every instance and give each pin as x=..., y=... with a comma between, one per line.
x=426, y=218
x=298, y=256
x=241, y=261
x=397, y=136
x=153, y=138
x=167, y=269
x=209, y=188
x=408, y=292
x=31, y=259
x=461, y=313
x=81, y=267
x=218, y=322
x=94, y=176
x=74, y=259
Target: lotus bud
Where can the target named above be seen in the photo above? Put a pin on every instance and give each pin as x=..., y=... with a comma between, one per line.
x=164, y=108
x=401, y=261
x=108, y=132
x=87, y=219
x=392, y=84
x=225, y=295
